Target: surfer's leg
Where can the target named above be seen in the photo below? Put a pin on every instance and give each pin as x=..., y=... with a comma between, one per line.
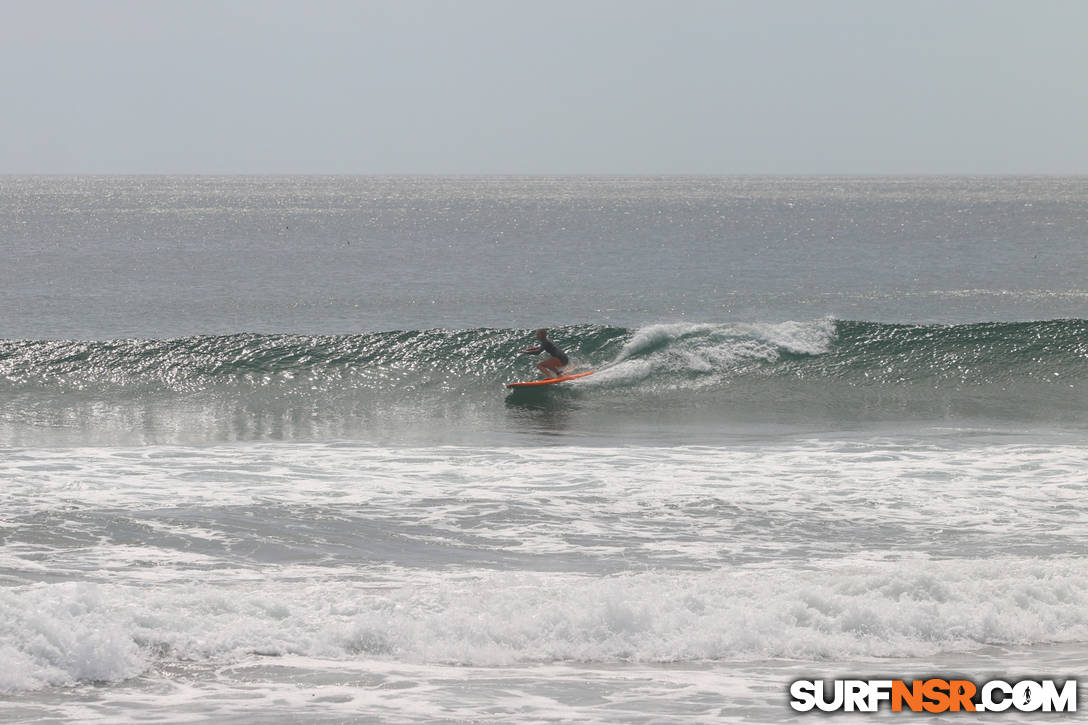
x=550, y=367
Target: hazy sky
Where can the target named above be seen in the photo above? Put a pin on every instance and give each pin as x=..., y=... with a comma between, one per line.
x=505, y=86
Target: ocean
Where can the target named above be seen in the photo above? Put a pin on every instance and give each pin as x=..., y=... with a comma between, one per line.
x=259, y=463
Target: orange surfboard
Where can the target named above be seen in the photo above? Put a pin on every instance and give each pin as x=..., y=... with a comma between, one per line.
x=549, y=381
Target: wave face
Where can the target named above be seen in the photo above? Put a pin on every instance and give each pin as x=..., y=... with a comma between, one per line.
x=273, y=386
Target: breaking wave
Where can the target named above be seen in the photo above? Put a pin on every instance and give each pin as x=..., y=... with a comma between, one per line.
x=58, y=634
x=267, y=386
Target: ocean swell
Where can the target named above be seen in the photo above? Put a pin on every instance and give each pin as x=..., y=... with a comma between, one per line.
x=252, y=386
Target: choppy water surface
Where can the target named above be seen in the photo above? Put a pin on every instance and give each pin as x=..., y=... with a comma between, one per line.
x=259, y=463
x=265, y=570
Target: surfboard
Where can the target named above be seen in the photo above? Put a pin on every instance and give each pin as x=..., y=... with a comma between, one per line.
x=549, y=381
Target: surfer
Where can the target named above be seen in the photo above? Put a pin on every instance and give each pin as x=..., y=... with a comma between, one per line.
x=549, y=368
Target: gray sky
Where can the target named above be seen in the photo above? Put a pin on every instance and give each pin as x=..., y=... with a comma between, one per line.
x=504, y=86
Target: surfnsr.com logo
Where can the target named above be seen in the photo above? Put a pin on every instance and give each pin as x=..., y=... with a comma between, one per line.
x=933, y=695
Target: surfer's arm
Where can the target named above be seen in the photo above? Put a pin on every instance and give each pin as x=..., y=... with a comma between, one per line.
x=531, y=351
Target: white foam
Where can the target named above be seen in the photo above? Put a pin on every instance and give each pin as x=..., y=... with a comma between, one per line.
x=703, y=353
x=69, y=633
x=811, y=550
x=643, y=506
x=60, y=634
x=812, y=337
x=801, y=338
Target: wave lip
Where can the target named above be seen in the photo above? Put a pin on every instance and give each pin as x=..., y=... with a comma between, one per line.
x=709, y=353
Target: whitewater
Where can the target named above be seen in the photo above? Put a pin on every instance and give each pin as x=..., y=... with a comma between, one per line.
x=259, y=463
